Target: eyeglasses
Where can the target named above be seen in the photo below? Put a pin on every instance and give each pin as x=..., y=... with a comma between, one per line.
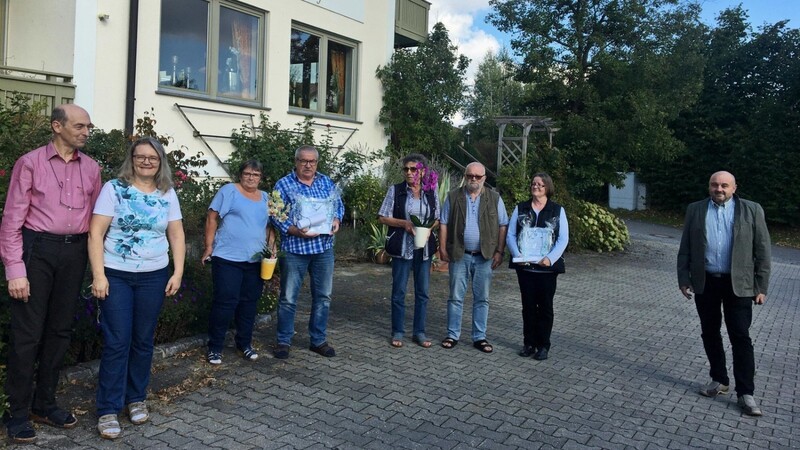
x=537, y=185
x=307, y=162
x=251, y=174
x=410, y=169
x=470, y=176
x=151, y=159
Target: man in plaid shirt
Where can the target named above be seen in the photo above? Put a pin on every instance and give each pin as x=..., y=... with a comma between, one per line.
x=306, y=251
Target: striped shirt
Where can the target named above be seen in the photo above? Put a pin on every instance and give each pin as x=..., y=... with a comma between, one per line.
x=719, y=236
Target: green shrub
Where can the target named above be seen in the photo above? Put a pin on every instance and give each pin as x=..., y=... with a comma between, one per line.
x=362, y=198
x=595, y=228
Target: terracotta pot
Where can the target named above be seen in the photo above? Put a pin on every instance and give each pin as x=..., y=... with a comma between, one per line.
x=382, y=257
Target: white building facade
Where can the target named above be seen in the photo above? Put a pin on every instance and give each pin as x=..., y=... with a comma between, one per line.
x=206, y=67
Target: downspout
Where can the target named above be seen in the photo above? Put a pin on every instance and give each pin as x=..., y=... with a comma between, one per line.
x=130, y=88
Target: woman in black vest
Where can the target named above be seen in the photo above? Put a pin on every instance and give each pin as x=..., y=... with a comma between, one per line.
x=401, y=201
x=538, y=234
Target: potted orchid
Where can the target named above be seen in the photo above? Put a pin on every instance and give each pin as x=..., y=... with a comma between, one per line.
x=428, y=180
x=278, y=209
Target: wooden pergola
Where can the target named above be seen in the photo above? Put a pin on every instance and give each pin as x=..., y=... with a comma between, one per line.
x=514, y=149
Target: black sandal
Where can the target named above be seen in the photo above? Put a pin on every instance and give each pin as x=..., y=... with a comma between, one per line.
x=449, y=343
x=56, y=418
x=21, y=433
x=483, y=345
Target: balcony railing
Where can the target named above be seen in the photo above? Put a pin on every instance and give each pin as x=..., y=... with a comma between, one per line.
x=52, y=88
x=411, y=22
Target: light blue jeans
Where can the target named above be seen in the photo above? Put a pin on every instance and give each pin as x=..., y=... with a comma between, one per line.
x=293, y=270
x=479, y=270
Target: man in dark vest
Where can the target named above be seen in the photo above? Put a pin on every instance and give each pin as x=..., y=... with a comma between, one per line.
x=473, y=229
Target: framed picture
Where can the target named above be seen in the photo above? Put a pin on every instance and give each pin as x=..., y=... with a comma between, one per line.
x=534, y=243
x=315, y=214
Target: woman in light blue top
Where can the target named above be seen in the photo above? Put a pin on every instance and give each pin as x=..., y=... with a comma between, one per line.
x=236, y=232
x=538, y=233
x=136, y=221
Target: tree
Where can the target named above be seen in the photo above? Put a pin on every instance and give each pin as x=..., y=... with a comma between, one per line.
x=747, y=119
x=614, y=74
x=423, y=89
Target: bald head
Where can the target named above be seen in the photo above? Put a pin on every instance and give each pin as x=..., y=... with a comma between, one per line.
x=721, y=186
x=71, y=126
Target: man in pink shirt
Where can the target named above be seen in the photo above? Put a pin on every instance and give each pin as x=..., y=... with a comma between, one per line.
x=43, y=247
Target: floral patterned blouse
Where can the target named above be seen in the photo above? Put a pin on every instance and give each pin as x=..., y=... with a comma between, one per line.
x=136, y=240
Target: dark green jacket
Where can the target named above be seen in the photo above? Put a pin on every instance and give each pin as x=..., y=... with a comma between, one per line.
x=488, y=223
x=751, y=250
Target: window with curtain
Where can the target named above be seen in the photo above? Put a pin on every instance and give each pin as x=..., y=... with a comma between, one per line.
x=321, y=72
x=189, y=47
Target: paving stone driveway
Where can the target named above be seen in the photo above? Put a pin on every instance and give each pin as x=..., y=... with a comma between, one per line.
x=625, y=366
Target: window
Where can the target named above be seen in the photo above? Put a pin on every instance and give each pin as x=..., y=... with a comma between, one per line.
x=198, y=34
x=315, y=56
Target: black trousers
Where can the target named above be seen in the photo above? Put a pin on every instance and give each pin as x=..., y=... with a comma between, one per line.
x=718, y=294
x=537, y=290
x=41, y=329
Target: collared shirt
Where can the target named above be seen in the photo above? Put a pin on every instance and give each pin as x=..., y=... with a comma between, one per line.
x=719, y=236
x=417, y=206
x=291, y=188
x=472, y=237
x=46, y=194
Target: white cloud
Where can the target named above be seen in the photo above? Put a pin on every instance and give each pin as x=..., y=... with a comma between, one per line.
x=460, y=16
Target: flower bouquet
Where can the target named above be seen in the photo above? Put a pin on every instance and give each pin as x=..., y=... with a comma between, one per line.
x=428, y=180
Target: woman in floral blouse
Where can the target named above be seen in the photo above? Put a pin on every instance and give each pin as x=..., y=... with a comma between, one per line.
x=136, y=221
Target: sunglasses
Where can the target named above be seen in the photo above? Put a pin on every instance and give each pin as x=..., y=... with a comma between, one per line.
x=470, y=176
x=410, y=169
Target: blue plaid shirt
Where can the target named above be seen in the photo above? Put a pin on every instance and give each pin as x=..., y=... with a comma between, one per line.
x=290, y=187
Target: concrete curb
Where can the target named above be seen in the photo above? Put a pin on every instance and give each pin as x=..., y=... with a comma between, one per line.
x=88, y=370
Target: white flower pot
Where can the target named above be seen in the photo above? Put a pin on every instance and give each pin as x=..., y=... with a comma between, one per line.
x=421, y=235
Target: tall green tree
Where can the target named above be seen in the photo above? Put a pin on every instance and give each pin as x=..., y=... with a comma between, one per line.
x=614, y=74
x=747, y=119
x=423, y=88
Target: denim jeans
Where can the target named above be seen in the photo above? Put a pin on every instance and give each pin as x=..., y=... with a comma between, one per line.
x=422, y=274
x=293, y=270
x=237, y=288
x=128, y=319
x=479, y=270
x=718, y=292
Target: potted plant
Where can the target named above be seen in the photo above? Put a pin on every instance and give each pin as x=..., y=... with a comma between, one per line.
x=444, y=187
x=422, y=225
x=378, y=242
x=278, y=209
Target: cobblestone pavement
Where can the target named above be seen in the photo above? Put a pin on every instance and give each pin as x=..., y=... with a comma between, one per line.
x=624, y=370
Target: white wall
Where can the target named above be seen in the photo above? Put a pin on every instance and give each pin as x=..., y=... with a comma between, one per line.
x=41, y=36
x=372, y=52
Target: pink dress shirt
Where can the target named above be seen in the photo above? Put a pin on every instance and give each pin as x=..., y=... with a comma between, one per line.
x=46, y=194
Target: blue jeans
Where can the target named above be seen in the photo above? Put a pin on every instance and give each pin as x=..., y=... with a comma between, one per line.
x=293, y=270
x=480, y=271
x=128, y=318
x=422, y=273
x=237, y=288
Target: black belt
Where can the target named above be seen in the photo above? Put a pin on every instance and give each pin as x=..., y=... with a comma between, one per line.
x=718, y=275
x=478, y=253
x=61, y=238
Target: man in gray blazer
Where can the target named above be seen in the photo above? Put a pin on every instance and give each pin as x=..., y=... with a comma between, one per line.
x=724, y=259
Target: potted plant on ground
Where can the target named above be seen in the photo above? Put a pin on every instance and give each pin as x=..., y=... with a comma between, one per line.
x=378, y=243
